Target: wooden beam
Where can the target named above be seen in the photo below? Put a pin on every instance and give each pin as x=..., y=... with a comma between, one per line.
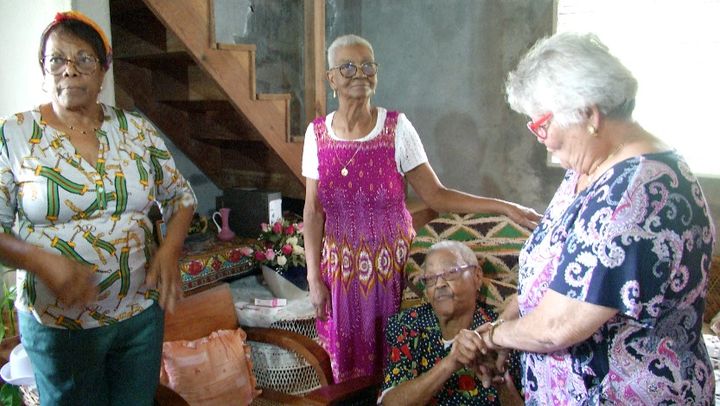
x=315, y=103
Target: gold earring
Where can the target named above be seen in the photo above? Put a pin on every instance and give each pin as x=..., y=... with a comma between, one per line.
x=592, y=130
x=334, y=94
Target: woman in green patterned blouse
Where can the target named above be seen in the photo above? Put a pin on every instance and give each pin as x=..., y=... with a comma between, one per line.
x=77, y=180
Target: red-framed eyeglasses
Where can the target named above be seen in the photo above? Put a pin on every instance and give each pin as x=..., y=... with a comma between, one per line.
x=540, y=126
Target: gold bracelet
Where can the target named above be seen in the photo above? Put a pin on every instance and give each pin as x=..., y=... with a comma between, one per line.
x=492, y=330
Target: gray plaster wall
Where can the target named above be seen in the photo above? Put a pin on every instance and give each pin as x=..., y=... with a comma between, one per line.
x=444, y=63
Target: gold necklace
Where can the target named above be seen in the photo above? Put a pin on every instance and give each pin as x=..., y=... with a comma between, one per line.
x=344, y=171
x=592, y=176
x=84, y=132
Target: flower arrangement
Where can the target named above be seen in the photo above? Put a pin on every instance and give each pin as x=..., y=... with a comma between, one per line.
x=281, y=245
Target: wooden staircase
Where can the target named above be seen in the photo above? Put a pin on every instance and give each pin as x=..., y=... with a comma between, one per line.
x=201, y=94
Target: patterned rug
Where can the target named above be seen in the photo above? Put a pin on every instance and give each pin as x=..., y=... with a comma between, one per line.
x=496, y=240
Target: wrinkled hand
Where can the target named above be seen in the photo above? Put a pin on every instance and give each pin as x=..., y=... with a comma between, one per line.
x=320, y=298
x=493, y=365
x=70, y=281
x=522, y=215
x=164, y=273
x=467, y=347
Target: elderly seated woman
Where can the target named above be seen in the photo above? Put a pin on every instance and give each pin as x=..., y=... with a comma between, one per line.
x=433, y=358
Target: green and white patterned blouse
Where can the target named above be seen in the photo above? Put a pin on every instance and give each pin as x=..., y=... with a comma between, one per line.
x=94, y=215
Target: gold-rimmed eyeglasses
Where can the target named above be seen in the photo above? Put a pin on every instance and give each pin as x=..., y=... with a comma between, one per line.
x=349, y=70
x=55, y=64
x=449, y=275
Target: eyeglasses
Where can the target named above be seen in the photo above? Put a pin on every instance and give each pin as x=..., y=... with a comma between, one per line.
x=449, y=275
x=55, y=65
x=349, y=69
x=539, y=127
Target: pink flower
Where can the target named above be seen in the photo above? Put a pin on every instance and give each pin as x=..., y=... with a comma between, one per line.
x=269, y=254
x=290, y=230
x=246, y=251
x=264, y=227
x=300, y=226
x=287, y=249
x=277, y=228
x=260, y=256
x=235, y=255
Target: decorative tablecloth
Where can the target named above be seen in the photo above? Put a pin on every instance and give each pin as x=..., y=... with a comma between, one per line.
x=208, y=261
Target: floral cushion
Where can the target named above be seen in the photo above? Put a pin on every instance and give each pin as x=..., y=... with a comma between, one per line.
x=496, y=240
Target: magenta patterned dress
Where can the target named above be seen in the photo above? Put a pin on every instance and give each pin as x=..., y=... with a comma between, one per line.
x=367, y=235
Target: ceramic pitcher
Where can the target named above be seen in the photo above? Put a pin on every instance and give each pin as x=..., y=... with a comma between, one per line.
x=224, y=231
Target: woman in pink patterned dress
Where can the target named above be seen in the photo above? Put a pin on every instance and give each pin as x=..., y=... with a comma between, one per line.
x=357, y=228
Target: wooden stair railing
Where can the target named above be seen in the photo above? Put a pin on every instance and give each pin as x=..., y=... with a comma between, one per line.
x=232, y=68
x=202, y=94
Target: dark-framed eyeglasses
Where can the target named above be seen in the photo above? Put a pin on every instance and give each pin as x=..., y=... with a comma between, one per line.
x=55, y=64
x=349, y=69
x=449, y=275
x=540, y=126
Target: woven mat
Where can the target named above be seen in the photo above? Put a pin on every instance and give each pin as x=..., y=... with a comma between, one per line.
x=496, y=240
x=712, y=301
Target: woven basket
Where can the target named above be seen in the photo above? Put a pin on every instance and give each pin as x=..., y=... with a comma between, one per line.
x=30, y=395
x=712, y=301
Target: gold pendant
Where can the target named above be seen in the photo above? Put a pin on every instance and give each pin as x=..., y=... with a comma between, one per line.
x=344, y=172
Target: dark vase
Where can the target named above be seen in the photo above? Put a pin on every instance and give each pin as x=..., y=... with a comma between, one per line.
x=295, y=274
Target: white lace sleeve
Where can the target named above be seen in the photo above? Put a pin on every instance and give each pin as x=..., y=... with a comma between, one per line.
x=310, y=155
x=409, y=151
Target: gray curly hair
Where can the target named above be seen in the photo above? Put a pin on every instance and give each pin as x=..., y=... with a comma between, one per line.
x=344, y=41
x=458, y=248
x=566, y=74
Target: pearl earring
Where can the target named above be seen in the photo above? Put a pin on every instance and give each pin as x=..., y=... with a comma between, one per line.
x=334, y=94
x=592, y=130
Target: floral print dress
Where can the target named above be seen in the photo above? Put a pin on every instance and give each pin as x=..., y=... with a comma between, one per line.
x=638, y=240
x=416, y=345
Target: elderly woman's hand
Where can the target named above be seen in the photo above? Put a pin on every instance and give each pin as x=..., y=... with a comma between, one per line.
x=525, y=216
x=164, y=273
x=71, y=281
x=320, y=298
x=469, y=351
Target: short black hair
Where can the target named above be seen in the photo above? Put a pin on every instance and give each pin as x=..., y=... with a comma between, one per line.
x=80, y=30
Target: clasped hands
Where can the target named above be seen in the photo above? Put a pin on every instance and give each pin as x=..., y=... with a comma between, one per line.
x=472, y=350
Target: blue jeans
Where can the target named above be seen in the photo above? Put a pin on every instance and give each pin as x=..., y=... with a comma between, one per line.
x=117, y=364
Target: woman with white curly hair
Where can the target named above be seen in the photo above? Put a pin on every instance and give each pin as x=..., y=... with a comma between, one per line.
x=612, y=282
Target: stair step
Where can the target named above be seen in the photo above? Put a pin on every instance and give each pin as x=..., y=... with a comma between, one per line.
x=235, y=47
x=200, y=105
x=161, y=61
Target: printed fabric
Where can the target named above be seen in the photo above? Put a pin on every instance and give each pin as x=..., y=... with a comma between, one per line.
x=367, y=234
x=96, y=215
x=416, y=346
x=638, y=240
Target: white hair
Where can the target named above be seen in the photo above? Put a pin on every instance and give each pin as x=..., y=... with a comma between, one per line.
x=458, y=248
x=344, y=41
x=566, y=74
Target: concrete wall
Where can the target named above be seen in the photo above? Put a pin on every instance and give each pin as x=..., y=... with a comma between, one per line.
x=443, y=63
